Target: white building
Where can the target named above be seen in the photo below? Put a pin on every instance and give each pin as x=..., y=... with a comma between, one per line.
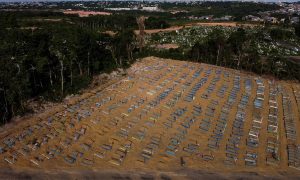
x=150, y=8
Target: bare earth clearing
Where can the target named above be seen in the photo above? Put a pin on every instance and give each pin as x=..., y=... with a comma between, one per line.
x=174, y=28
x=165, y=46
x=166, y=116
x=86, y=13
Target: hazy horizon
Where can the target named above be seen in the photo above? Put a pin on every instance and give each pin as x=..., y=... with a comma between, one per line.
x=148, y=0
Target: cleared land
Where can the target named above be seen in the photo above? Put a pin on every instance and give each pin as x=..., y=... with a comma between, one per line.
x=86, y=13
x=167, y=116
x=165, y=46
x=175, y=28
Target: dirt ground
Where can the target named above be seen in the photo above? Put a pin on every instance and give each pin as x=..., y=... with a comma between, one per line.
x=166, y=46
x=175, y=28
x=144, y=124
x=86, y=13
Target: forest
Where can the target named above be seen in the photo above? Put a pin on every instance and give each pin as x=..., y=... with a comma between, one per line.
x=51, y=60
x=218, y=9
x=46, y=54
x=264, y=51
x=239, y=52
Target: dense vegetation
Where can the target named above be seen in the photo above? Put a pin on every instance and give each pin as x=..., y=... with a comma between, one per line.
x=156, y=23
x=52, y=60
x=260, y=50
x=239, y=51
x=218, y=9
x=49, y=55
x=184, y=9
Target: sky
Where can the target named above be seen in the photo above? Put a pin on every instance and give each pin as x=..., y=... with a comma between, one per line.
x=144, y=0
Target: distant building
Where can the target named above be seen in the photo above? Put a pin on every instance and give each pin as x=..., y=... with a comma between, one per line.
x=253, y=18
x=272, y=20
x=295, y=20
x=140, y=7
x=150, y=8
x=120, y=9
x=224, y=18
x=209, y=17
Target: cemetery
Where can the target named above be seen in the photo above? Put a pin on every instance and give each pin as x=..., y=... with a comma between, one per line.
x=167, y=115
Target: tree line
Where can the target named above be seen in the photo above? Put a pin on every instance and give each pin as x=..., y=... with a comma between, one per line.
x=53, y=60
x=239, y=51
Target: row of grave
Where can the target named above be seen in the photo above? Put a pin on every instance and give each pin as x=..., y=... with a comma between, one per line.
x=296, y=91
x=74, y=114
x=119, y=155
x=252, y=140
x=232, y=147
x=290, y=131
x=52, y=131
x=29, y=140
x=149, y=150
x=273, y=140
x=121, y=151
x=237, y=132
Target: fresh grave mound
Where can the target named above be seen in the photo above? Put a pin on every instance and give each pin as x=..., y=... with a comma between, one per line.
x=167, y=115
